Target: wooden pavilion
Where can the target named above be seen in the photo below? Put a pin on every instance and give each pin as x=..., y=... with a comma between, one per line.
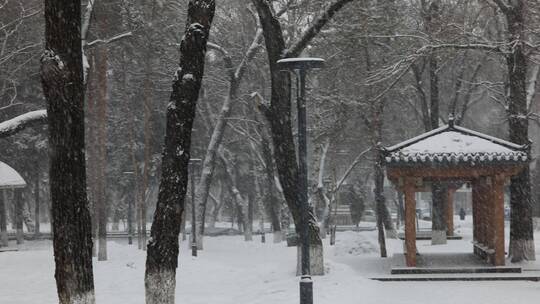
x=453, y=154
x=9, y=179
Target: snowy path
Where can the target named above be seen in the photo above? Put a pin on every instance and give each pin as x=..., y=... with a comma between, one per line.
x=231, y=271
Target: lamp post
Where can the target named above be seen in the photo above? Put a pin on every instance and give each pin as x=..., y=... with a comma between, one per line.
x=193, y=162
x=129, y=175
x=300, y=66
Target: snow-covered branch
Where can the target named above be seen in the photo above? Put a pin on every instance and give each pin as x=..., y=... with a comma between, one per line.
x=21, y=122
x=349, y=170
x=112, y=39
x=315, y=28
x=503, y=6
x=226, y=57
x=531, y=88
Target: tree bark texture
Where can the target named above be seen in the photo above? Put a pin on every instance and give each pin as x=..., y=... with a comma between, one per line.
x=272, y=203
x=162, y=255
x=521, y=222
x=235, y=78
x=101, y=150
x=62, y=81
x=439, y=198
x=380, y=204
x=279, y=111
x=145, y=185
x=91, y=148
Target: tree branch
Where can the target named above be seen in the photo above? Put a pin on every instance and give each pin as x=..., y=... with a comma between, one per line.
x=21, y=122
x=107, y=41
x=315, y=28
x=505, y=8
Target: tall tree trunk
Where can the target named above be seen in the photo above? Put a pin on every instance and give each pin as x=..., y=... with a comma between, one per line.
x=431, y=25
x=133, y=158
x=235, y=77
x=62, y=81
x=279, y=117
x=145, y=187
x=92, y=148
x=271, y=201
x=438, y=193
x=203, y=187
x=521, y=222
x=439, y=200
x=162, y=255
x=380, y=203
x=101, y=149
x=28, y=221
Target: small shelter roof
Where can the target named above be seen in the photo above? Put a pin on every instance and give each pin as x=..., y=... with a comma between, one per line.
x=452, y=144
x=9, y=178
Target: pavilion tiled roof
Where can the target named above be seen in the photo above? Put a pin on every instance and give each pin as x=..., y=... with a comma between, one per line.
x=452, y=144
x=9, y=178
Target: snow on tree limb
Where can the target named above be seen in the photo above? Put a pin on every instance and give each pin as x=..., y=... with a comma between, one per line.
x=21, y=122
x=109, y=40
x=317, y=26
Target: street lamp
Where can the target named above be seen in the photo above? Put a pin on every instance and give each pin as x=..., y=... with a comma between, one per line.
x=193, y=162
x=300, y=66
x=129, y=174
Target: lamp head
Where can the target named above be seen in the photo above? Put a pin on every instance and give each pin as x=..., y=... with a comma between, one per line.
x=293, y=64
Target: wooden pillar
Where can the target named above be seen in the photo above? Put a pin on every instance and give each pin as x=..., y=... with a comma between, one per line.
x=450, y=212
x=475, y=202
x=498, y=219
x=18, y=201
x=490, y=201
x=3, y=219
x=481, y=212
x=410, y=223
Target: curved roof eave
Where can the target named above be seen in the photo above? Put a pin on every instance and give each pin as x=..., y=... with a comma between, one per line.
x=9, y=178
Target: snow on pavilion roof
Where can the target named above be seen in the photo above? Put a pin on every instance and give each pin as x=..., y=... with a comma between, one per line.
x=9, y=178
x=455, y=144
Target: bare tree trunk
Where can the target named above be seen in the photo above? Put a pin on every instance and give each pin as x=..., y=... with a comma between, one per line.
x=271, y=202
x=92, y=148
x=101, y=150
x=380, y=203
x=235, y=77
x=134, y=162
x=439, y=198
x=144, y=190
x=319, y=192
x=242, y=202
x=278, y=114
x=162, y=255
x=28, y=221
x=62, y=81
x=218, y=204
x=521, y=222
x=431, y=24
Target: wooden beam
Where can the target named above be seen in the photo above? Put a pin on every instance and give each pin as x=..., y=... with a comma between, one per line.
x=410, y=223
x=498, y=219
x=457, y=172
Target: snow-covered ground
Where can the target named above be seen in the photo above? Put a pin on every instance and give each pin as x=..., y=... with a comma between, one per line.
x=231, y=271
